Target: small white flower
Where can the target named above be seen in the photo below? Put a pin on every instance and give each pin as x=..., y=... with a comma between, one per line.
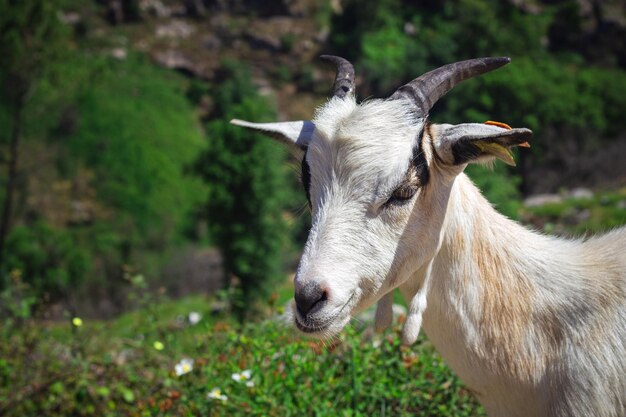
x=216, y=394
x=194, y=317
x=184, y=366
x=250, y=384
x=243, y=376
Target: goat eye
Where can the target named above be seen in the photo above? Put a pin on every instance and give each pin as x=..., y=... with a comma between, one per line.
x=402, y=194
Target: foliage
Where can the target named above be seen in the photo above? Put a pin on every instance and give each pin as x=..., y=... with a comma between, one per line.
x=126, y=367
x=249, y=188
x=544, y=94
x=48, y=257
x=120, y=140
x=136, y=131
x=393, y=41
x=31, y=42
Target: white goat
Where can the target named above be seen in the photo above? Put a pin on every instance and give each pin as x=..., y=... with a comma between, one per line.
x=534, y=325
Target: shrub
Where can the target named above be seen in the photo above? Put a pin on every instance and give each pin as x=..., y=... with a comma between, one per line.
x=119, y=138
x=248, y=188
x=47, y=258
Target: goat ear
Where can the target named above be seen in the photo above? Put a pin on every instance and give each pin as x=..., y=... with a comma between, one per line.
x=477, y=142
x=294, y=134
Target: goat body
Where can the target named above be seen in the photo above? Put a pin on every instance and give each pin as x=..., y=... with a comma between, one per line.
x=534, y=325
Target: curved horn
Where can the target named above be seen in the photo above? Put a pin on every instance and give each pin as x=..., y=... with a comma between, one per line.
x=425, y=90
x=344, y=80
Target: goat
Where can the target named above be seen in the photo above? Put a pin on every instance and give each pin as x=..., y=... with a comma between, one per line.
x=534, y=325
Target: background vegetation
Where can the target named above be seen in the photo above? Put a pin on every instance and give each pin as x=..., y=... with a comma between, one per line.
x=118, y=169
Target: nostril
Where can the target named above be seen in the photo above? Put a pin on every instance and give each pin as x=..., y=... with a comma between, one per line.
x=310, y=298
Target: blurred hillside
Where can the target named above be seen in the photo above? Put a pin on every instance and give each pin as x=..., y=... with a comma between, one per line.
x=116, y=157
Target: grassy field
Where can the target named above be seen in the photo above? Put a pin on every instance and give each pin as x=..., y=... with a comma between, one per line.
x=189, y=357
x=162, y=361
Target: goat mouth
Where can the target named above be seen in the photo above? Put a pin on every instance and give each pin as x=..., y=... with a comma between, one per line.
x=311, y=328
x=314, y=326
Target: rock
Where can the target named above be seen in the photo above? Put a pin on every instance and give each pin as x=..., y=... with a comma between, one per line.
x=115, y=12
x=119, y=53
x=69, y=18
x=195, y=8
x=258, y=40
x=410, y=29
x=81, y=212
x=155, y=8
x=219, y=307
x=211, y=41
x=174, y=59
x=530, y=7
x=175, y=29
x=194, y=271
x=581, y=193
x=542, y=199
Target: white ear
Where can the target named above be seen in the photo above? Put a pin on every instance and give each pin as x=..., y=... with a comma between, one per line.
x=294, y=134
x=475, y=142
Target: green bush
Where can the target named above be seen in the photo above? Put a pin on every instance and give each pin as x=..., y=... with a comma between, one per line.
x=137, y=131
x=47, y=258
x=123, y=134
x=248, y=188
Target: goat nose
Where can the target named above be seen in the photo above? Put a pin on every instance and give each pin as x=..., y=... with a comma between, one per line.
x=310, y=297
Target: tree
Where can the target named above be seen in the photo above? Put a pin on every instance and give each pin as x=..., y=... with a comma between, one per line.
x=31, y=41
x=249, y=190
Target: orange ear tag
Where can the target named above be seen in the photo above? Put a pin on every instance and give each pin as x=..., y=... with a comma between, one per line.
x=499, y=124
x=505, y=126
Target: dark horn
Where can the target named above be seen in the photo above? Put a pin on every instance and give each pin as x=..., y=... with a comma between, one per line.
x=344, y=80
x=425, y=90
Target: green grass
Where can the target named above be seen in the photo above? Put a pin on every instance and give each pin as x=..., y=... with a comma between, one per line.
x=580, y=216
x=113, y=369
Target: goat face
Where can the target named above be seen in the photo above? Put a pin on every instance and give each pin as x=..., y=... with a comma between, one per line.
x=367, y=178
x=377, y=176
